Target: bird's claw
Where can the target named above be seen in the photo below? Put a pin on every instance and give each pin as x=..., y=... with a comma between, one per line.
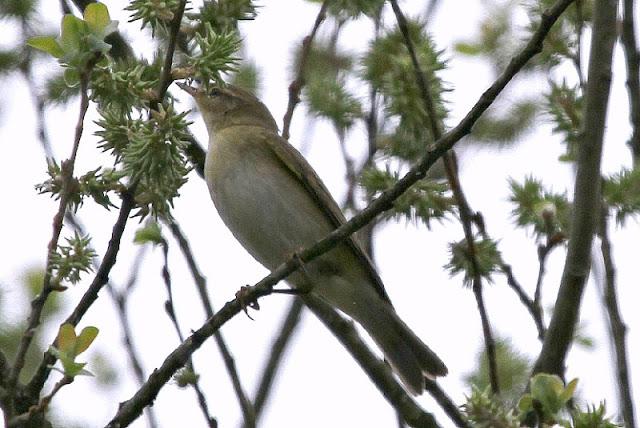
x=245, y=302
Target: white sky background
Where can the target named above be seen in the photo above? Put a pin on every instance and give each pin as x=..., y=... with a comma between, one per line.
x=319, y=384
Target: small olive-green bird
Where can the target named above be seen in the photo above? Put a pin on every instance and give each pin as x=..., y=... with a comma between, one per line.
x=275, y=205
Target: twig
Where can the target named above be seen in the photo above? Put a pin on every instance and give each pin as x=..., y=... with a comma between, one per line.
x=278, y=348
x=628, y=36
x=102, y=276
x=296, y=86
x=248, y=411
x=171, y=312
x=450, y=408
x=165, y=76
x=130, y=409
x=617, y=327
x=41, y=407
x=37, y=304
x=375, y=368
x=128, y=202
x=466, y=214
x=535, y=311
x=586, y=196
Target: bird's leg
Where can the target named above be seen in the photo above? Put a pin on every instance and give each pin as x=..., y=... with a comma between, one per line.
x=245, y=303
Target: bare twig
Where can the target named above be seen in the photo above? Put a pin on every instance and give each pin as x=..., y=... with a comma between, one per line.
x=466, y=214
x=41, y=407
x=278, y=348
x=171, y=312
x=451, y=409
x=248, y=411
x=296, y=86
x=587, y=194
x=632, y=56
x=37, y=305
x=617, y=327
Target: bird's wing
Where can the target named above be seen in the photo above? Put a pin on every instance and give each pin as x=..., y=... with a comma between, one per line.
x=304, y=173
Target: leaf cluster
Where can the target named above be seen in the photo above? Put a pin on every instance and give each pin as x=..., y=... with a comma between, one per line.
x=565, y=106
x=543, y=406
x=484, y=262
x=426, y=200
x=214, y=55
x=69, y=261
x=546, y=212
x=621, y=192
x=69, y=346
x=155, y=13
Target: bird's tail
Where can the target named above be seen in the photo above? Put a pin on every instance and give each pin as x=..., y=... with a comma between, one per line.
x=409, y=356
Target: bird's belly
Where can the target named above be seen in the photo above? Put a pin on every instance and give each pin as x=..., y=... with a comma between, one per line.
x=267, y=210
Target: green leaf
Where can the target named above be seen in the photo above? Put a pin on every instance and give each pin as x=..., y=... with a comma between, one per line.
x=569, y=390
x=47, y=44
x=70, y=37
x=97, y=17
x=151, y=233
x=71, y=77
x=66, y=339
x=85, y=339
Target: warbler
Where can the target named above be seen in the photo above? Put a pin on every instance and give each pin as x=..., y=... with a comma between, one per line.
x=275, y=205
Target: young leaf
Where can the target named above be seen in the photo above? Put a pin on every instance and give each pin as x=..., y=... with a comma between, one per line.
x=46, y=44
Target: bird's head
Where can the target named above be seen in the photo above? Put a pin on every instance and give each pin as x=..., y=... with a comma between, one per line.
x=222, y=107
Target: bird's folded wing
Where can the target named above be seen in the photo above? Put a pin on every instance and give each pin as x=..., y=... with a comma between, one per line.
x=302, y=171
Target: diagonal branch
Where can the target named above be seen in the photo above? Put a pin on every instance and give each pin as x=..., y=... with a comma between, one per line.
x=296, y=86
x=466, y=214
x=586, y=194
x=617, y=327
x=248, y=412
x=630, y=46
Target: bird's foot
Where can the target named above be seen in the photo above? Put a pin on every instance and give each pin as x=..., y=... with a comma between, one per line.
x=245, y=302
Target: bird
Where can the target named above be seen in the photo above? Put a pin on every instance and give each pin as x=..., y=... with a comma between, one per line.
x=275, y=204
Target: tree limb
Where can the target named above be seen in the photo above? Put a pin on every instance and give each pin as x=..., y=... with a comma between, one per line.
x=586, y=195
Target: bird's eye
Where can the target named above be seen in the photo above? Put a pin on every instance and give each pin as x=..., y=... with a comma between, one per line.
x=215, y=92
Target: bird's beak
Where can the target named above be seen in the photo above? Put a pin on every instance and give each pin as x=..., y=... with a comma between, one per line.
x=189, y=89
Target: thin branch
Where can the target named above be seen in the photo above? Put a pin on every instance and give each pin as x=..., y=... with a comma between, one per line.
x=248, y=412
x=120, y=300
x=276, y=353
x=375, y=368
x=617, y=327
x=165, y=76
x=41, y=407
x=466, y=214
x=534, y=311
x=296, y=86
x=100, y=279
x=171, y=312
x=128, y=202
x=586, y=196
x=450, y=408
x=629, y=44
x=37, y=305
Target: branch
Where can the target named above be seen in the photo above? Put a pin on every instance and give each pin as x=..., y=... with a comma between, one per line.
x=586, y=195
x=37, y=305
x=248, y=412
x=617, y=327
x=296, y=86
x=375, y=368
x=276, y=353
x=131, y=408
x=628, y=36
x=466, y=214
x=450, y=408
x=128, y=202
